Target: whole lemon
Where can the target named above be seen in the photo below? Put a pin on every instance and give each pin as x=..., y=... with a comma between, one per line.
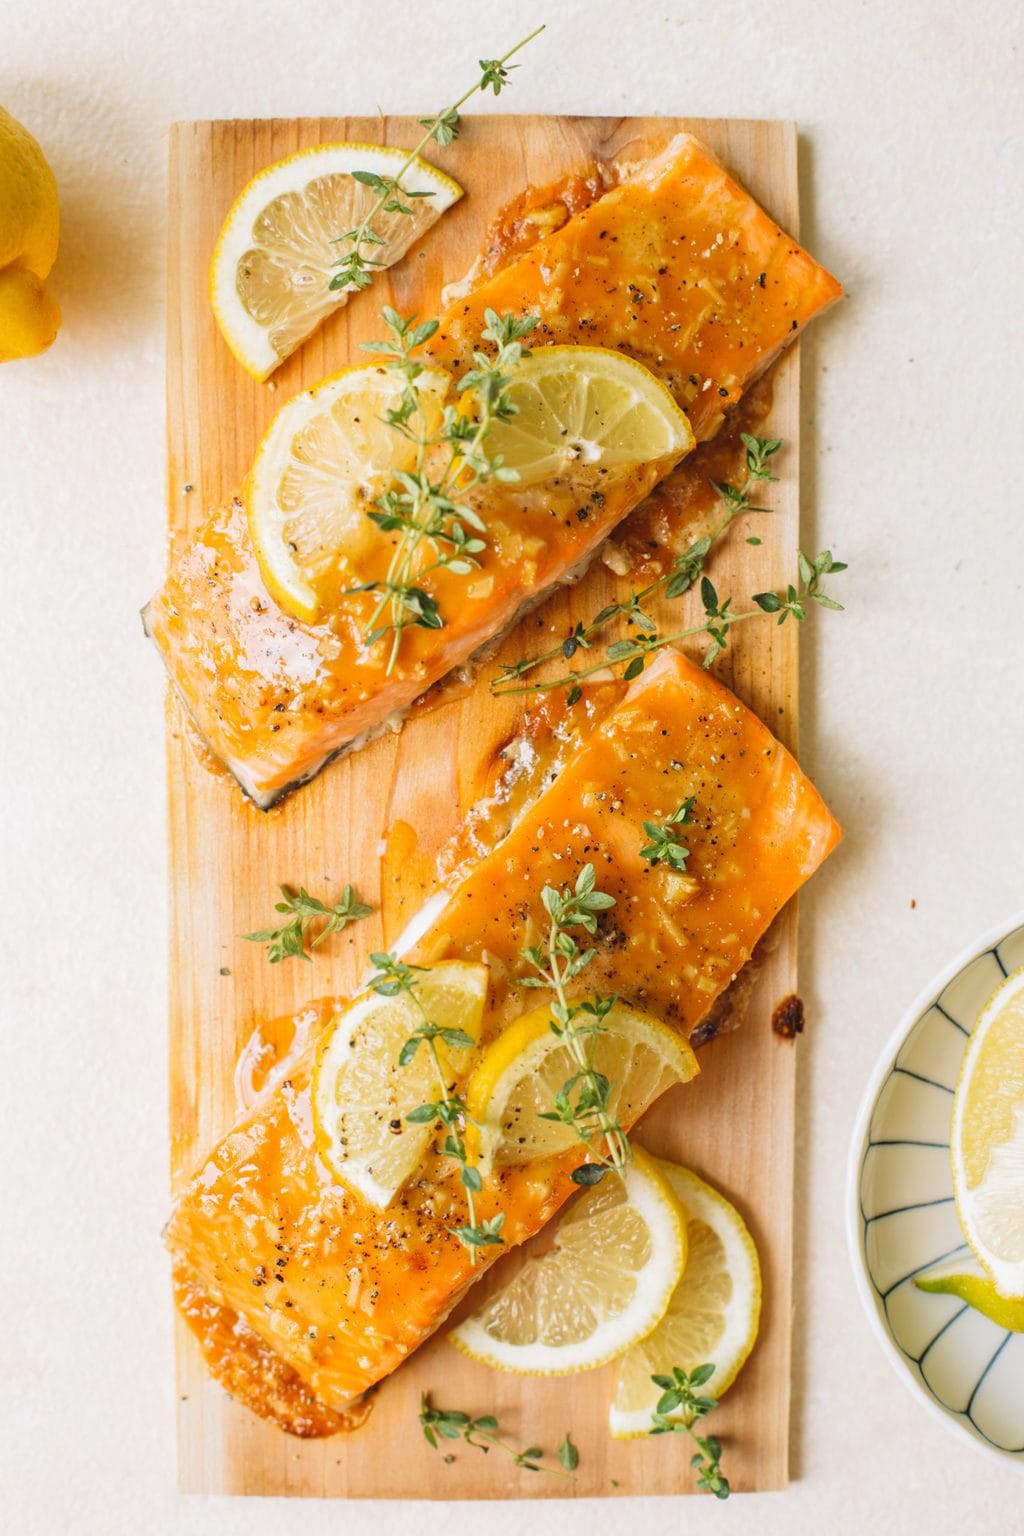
x=29, y=232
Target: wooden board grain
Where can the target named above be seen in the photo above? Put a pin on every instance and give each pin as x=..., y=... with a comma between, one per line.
x=735, y=1124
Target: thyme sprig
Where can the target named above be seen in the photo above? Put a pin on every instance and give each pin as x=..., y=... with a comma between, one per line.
x=684, y=571
x=582, y=1103
x=482, y=1433
x=355, y=270
x=664, y=846
x=426, y=506
x=289, y=941
x=448, y=1110
x=682, y=1391
x=719, y=620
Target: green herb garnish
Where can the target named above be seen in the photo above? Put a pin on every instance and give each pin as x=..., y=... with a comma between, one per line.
x=664, y=846
x=582, y=1103
x=685, y=570
x=449, y=1108
x=719, y=620
x=682, y=1391
x=356, y=270
x=427, y=506
x=482, y=1433
x=289, y=941
x=568, y=1454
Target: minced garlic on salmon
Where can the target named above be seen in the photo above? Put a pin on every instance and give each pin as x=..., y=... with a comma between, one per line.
x=677, y=267
x=302, y=1294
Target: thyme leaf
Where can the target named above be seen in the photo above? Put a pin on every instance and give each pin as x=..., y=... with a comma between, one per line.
x=568, y=1454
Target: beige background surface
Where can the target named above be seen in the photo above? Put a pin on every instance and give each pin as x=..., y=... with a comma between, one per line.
x=913, y=723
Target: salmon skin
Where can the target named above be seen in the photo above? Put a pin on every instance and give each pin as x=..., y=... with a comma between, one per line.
x=302, y=1294
x=676, y=267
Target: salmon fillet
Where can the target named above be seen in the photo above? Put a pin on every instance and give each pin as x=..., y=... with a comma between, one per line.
x=678, y=268
x=302, y=1294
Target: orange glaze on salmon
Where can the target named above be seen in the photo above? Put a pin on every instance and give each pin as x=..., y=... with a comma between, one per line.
x=677, y=267
x=266, y=1238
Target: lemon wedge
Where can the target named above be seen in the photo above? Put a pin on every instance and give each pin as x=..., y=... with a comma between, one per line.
x=712, y=1315
x=362, y=1096
x=273, y=263
x=987, y=1140
x=515, y=1083
x=584, y=410
x=980, y=1293
x=616, y=1260
x=324, y=459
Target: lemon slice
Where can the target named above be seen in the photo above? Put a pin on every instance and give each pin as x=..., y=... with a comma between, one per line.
x=324, y=459
x=273, y=263
x=361, y=1095
x=516, y=1082
x=585, y=410
x=987, y=1140
x=713, y=1313
x=617, y=1258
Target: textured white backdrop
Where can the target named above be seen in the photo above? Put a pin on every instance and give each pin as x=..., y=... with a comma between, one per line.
x=913, y=712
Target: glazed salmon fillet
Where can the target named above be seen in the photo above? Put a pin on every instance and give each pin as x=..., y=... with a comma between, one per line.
x=302, y=1294
x=676, y=267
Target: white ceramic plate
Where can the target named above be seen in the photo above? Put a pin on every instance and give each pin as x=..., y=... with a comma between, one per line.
x=901, y=1215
